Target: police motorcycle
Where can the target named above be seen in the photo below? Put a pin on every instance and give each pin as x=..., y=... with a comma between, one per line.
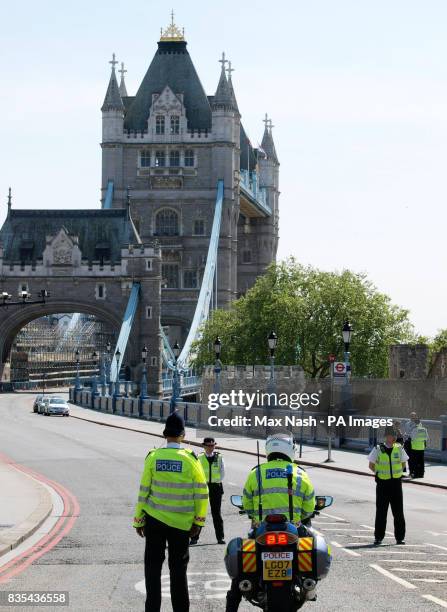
x=279, y=564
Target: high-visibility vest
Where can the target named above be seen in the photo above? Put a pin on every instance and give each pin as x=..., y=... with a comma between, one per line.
x=418, y=438
x=213, y=469
x=274, y=491
x=389, y=465
x=173, y=489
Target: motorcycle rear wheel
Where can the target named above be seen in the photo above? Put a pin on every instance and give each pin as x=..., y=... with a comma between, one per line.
x=279, y=600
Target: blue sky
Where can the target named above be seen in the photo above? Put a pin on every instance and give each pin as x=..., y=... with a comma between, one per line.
x=357, y=91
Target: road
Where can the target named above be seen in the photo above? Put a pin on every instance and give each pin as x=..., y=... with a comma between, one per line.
x=100, y=560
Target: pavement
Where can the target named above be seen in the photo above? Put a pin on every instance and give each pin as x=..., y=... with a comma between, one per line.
x=100, y=561
x=355, y=462
x=25, y=504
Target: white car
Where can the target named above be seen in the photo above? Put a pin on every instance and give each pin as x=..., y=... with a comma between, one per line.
x=56, y=405
x=42, y=403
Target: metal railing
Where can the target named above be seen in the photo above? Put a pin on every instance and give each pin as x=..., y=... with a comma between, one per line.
x=249, y=182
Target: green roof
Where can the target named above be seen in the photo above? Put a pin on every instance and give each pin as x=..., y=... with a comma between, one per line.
x=100, y=232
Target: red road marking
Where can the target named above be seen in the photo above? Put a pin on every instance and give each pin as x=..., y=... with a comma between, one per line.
x=49, y=541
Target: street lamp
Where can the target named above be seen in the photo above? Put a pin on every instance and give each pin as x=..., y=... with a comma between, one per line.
x=272, y=341
x=109, y=367
x=95, y=392
x=176, y=378
x=347, y=333
x=77, y=380
x=217, y=364
x=117, y=381
x=143, y=384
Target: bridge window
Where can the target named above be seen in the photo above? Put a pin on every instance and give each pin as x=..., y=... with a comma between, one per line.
x=154, y=361
x=145, y=159
x=190, y=279
x=160, y=159
x=199, y=227
x=100, y=291
x=159, y=124
x=148, y=312
x=246, y=256
x=169, y=274
x=174, y=159
x=166, y=223
x=175, y=124
x=148, y=264
x=189, y=157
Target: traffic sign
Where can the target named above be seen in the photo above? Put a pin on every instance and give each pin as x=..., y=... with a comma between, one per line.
x=340, y=368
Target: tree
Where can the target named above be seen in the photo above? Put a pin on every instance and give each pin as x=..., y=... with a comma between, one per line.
x=439, y=342
x=307, y=308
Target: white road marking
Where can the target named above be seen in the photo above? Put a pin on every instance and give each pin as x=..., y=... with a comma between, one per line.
x=393, y=552
x=372, y=529
x=341, y=529
x=397, y=579
x=350, y=552
x=218, y=585
x=418, y=561
x=420, y=571
x=320, y=522
x=439, y=580
x=364, y=536
x=437, y=546
x=332, y=516
x=436, y=600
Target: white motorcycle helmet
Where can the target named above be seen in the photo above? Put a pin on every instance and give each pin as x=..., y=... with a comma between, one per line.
x=280, y=443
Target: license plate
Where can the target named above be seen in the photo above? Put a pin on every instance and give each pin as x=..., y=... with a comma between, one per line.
x=277, y=569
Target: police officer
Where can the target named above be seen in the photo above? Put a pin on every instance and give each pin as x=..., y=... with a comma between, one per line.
x=387, y=461
x=269, y=484
x=172, y=506
x=418, y=441
x=214, y=469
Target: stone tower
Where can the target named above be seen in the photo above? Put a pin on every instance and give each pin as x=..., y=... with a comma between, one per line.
x=170, y=144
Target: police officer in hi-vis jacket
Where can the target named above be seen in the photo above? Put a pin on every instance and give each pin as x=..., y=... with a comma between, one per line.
x=171, y=508
x=387, y=461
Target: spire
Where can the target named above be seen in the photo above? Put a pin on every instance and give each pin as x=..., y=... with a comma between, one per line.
x=222, y=97
x=122, y=88
x=267, y=140
x=9, y=200
x=230, y=85
x=172, y=32
x=112, y=101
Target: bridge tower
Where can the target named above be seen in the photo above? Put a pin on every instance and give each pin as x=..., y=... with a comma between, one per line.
x=171, y=143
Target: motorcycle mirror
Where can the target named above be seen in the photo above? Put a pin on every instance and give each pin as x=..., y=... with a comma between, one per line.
x=323, y=501
x=236, y=500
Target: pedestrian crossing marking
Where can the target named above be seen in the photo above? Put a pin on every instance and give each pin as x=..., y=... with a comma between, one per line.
x=397, y=579
x=436, y=600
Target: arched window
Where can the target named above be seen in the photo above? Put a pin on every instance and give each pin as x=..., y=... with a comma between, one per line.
x=166, y=223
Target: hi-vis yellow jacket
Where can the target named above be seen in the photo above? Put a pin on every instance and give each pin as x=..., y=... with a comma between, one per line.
x=272, y=476
x=173, y=489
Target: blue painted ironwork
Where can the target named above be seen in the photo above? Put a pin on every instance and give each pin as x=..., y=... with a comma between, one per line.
x=126, y=326
x=249, y=185
x=78, y=386
x=167, y=353
x=109, y=195
x=206, y=290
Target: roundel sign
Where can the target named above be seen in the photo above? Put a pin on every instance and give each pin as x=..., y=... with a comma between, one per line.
x=339, y=368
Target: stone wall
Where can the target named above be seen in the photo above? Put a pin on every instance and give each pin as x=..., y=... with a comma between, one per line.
x=394, y=398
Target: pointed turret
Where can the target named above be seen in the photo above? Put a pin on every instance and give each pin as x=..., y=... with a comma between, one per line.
x=112, y=101
x=230, y=85
x=267, y=144
x=122, y=87
x=223, y=97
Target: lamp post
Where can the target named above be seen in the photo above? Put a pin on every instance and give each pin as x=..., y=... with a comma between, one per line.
x=77, y=380
x=95, y=391
x=117, y=381
x=217, y=364
x=109, y=367
x=143, y=384
x=176, y=377
x=272, y=341
x=331, y=359
x=347, y=333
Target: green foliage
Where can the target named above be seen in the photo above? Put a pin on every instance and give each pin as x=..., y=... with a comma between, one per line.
x=439, y=342
x=307, y=308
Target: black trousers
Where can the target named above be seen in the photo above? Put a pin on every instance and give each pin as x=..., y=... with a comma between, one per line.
x=389, y=492
x=215, y=493
x=157, y=535
x=234, y=596
x=417, y=463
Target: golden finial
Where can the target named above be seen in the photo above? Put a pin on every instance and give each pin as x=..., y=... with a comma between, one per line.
x=172, y=33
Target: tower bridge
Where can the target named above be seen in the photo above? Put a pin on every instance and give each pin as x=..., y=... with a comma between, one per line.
x=188, y=218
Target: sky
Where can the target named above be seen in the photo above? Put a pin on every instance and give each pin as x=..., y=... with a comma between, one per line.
x=357, y=91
